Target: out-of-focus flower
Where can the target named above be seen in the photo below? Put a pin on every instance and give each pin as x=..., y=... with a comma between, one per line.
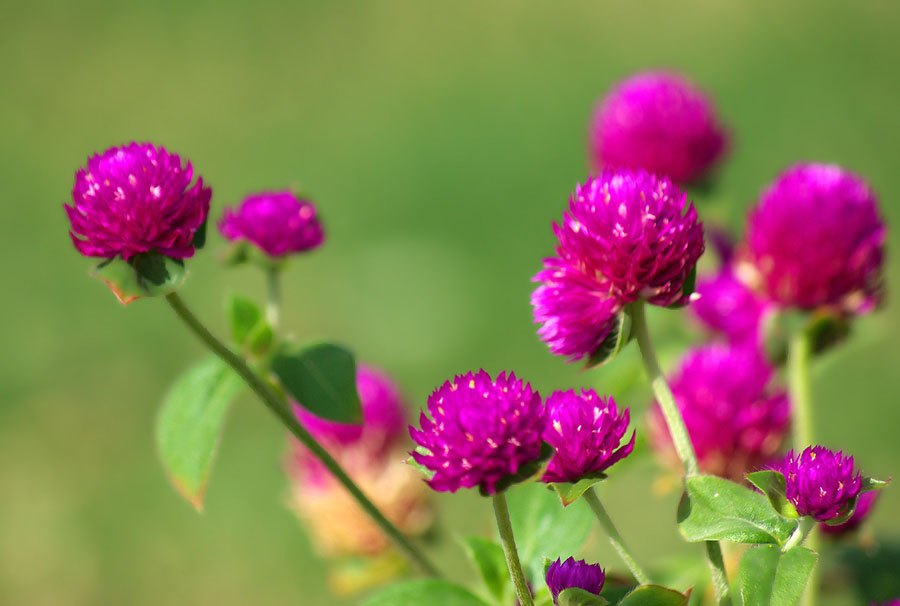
x=575, y=311
x=479, y=431
x=726, y=306
x=815, y=238
x=658, y=122
x=277, y=222
x=864, y=506
x=135, y=199
x=373, y=454
x=574, y=573
x=735, y=423
x=820, y=483
x=627, y=235
x=585, y=431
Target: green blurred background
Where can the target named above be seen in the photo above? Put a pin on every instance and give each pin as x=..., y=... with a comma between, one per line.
x=439, y=140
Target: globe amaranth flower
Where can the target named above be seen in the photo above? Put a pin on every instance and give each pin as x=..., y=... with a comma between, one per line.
x=135, y=199
x=658, y=122
x=479, y=431
x=735, y=422
x=373, y=454
x=574, y=310
x=725, y=306
x=277, y=222
x=815, y=238
x=585, y=431
x=574, y=573
x=864, y=506
x=627, y=235
x=820, y=483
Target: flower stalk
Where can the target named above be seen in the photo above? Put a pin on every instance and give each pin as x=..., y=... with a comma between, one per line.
x=501, y=512
x=680, y=437
x=277, y=406
x=615, y=538
x=273, y=291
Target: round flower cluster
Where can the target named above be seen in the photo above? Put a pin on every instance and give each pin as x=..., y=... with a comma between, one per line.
x=627, y=235
x=735, y=423
x=820, y=483
x=815, y=238
x=658, y=122
x=277, y=222
x=574, y=573
x=725, y=306
x=135, y=199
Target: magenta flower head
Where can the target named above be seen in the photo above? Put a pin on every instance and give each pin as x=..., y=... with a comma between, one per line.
x=727, y=307
x=658, y=122
x=574, y=309
x=574, y=573
x=735, y=423
x=479, y=432
x=815, y=238
x=277, y=222
x=135, y=199
x=384, y=417
x=585, y=431
x=864, y=506
x=821, y=483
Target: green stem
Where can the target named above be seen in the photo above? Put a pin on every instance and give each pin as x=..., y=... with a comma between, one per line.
x=501, y=512
x=614, y=537
x=799, y=352
x=680, y=437
x=273, y=288
x=276, y=406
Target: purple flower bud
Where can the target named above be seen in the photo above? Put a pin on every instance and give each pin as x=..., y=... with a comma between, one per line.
x=585, y=432
x=384, y=417
x=135, y=199
x=634, y=233
x=574, y=309
x=277, y=222
x=658, y=122
x=574, y=573
x=864, y=506
x=820, y=483
x=815, y=238
x=726, y=306
x=478, y=431
x=735, y=424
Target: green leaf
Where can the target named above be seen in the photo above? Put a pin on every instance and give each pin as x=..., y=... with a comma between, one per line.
x=575, y=596
x=873, y=484
x=770, y=577
x=424, y=592
x=687, y=289
x=569, y=492
x=490, y=561
x=144, y=275
x=190, y=423
x=713, y=509
x=654, y=595
x=422, y=469
x=249, y=328
x=532, y=470
x=772, y=484
x=544, y=528
x=199, y=240
x=617, y=338
x=321, y=378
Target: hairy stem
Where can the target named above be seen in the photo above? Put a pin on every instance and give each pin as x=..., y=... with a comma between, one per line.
x=614, y=537
x=501, y=512
x=679, y=434
x=278, y=407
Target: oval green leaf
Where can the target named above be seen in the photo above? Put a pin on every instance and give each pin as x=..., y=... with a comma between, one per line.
x=190, y=423
x=714, y=509
x=617, y=338
x=771, y=578
x=490, y=561
x=321, y=378
x=144, y=275
x=654, y=595
x=249, y=328
x=772, y=484
x=569, y=492
x=424, y=592
x=575, y=596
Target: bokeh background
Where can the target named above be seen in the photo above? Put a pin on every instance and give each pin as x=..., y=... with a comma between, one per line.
x=439, y=140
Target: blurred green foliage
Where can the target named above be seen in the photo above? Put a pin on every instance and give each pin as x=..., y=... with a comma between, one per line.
x=439, y=140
